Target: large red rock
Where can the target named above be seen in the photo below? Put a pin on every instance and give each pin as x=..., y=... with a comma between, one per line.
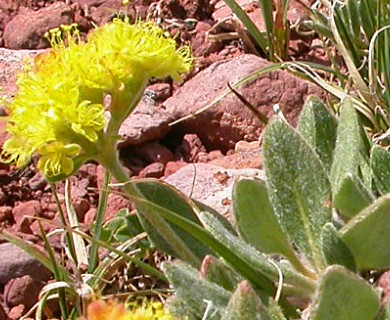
x=229, y=121
x=27, y=29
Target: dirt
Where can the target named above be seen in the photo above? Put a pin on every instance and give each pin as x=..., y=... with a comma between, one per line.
x=25, y=194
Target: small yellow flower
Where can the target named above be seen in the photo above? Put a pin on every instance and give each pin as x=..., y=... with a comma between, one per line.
x=56, y=158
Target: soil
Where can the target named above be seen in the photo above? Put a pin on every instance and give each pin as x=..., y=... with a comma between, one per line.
x=24, y=189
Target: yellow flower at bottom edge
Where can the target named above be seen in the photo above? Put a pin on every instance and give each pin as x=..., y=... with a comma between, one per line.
x=100, y=310
x=56, y=158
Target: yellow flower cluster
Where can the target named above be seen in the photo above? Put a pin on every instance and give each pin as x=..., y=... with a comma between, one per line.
x=100, y=310
x=59, y=112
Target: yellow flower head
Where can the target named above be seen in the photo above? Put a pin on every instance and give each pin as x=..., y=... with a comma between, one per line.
x=59, y=112
x=123, y=52
x=100, y=310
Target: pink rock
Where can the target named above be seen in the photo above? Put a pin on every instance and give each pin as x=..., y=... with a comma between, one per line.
x=153, y=170
x=189, y=148
x=90, y=216
x=212, y=155
x=172, y=166
x=202, y=45
x=229, y=121
x=26, y=31
x=36, y=229
x=17, y=312
x=384, y=283
x=81, y=206
x=240, y=160
x=23, y=290
x=23, y=211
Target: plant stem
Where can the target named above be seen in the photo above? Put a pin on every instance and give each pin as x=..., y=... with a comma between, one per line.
x=99, y=222
x=111, y=162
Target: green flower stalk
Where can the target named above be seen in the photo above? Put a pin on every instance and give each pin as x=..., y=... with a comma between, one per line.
x=59, y=114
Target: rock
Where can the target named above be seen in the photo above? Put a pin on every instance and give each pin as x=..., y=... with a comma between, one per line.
x=101, y=11
x=17, y=312
x=242, y=146
x=90, y=216
x=212, y=155
x=147, y=122
x=14, y=263
x=384, y=284
x=173, y=166
x=5, y=213
x=116, y=203
x=23, y=290
x=240, y=160
x=35, y=226
x=189, y=148
x=79, y=188
x=3, y=198
x=11, y=62
x=3, y=315
x=153, y=170
x=229, y=121
x=154, y=152
x=23, y=212
x=81, y=206
x=26, y=30
x=37, y=182
x=158, y=92
x=210, y=184
x=201, y=44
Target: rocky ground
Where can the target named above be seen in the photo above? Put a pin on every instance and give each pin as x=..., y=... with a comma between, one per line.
x=201, y=155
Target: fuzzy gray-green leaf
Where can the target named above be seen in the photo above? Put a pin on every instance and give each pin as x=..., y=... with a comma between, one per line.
x=193, y=291
x=245, y=305
x=351, y=155
x=169, y=198
x=380, y=165
x=217, y=271
x=343, y=295
x=352, y=188
x=335, y=250
x=263, y=269
x=368, y=237
x=318, y=126
x=299, y=188
x=255, y=219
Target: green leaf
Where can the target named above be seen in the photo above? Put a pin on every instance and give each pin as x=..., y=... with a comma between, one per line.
x=167, y=197
x=380, y=165
x=262, y=269
x=195, y=292
x=335, y=250
x=255, y=219
x=318, y=126
x=352, y=196
x=351, y=155
x=257, y=223
x=245, y=305
x=299, y=188
x=343, y=295
x=215, y=270
x=367, y=235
